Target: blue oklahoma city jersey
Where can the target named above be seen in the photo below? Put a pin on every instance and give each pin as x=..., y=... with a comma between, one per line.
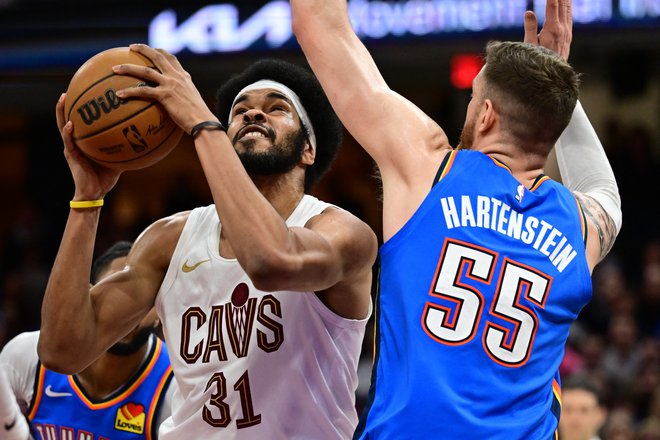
x=61, y=410
x=476, y=295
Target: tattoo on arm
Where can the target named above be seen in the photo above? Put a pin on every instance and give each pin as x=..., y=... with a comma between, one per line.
x=601, y=220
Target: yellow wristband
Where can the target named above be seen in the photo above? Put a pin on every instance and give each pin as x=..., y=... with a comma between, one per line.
x=86, y=203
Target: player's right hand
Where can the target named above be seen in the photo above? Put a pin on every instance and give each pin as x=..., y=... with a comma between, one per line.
x=557, y=32
x=92, y=181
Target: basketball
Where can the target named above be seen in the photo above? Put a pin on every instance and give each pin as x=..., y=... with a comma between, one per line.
x=123, y=134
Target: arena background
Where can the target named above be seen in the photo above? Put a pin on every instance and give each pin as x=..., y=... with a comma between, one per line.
x=426, y=50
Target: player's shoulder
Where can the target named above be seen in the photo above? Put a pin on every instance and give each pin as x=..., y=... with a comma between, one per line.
x=165, y=229
x=341, y=218
x=20, y=346
x=355, y=235
x=155, y=245
x=174, y=221
x=23, y=340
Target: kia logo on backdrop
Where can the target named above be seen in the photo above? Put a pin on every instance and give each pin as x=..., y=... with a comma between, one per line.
x=218, y=28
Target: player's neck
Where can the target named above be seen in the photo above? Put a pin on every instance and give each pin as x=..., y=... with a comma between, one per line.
x=525, y=167
x=110, y=372
x=282, y=195
x=283, y=191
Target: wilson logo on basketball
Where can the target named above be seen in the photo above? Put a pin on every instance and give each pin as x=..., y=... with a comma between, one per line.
x=91, y=110
x=131, y=418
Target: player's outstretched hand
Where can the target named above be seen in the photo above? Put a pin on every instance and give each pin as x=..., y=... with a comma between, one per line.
x=172, y=87
x=92, y=181
x=557, y=32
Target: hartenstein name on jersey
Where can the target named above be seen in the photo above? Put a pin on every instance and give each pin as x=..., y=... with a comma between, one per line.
x=491, y=213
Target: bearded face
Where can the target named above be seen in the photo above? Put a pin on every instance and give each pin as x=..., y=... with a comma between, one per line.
x=472, y=113
x=281, y=157
x=467, y=134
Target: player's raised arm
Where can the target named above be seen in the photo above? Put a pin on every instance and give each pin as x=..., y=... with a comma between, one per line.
x=586, y=171
x=79, y=324
x=582, y=162
x=405, y=143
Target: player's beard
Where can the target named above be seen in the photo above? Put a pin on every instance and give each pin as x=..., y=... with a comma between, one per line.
x=278, y=159
x=467, y=135
x=127, y=348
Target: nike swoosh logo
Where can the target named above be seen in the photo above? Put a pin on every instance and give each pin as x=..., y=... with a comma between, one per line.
x=8, y=426
x=185, y=268
x=51, y=393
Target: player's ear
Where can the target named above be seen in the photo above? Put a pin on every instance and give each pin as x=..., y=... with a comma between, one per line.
x=309, y=154
x=488, y=117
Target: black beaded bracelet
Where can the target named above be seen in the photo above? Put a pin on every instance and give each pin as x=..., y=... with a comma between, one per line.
x=207, y=125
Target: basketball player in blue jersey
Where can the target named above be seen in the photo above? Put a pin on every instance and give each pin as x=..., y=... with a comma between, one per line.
x=485, y=261
x=125, y=394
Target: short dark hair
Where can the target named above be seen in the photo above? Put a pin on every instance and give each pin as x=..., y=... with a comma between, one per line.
x=581, y=382
x=117, y=250
x=327, y=128
x=533, y=88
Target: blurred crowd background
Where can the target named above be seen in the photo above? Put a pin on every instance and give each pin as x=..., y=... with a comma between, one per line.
x=616, y=341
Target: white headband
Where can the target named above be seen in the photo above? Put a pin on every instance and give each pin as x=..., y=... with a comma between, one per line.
x=295, y=100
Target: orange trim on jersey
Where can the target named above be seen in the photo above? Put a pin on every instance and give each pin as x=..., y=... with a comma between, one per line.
x=155, y=399
x=583, y=221
x=539, y=182
x=448, y=164
x=94, y=406
x=38, y=391
x=556, y=389
x=499, y=163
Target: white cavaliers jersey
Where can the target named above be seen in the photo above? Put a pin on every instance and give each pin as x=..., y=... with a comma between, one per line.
x=252, y=364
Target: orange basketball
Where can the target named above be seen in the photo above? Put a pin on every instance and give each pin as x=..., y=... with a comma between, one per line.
x=124, y=134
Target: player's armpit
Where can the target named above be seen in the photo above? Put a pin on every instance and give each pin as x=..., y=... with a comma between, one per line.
x=600, y=222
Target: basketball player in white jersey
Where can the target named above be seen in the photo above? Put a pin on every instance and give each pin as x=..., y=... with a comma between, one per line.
x=263, y=296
